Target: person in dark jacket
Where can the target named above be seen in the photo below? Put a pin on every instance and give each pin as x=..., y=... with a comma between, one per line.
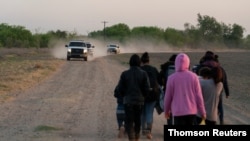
x=150, y=101
x=164, y=77
x=212, y=59
x=134, y=87
x=164, y=68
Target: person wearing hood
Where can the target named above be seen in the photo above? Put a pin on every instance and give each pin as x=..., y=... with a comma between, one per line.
x=183, y=96
x=134, y=87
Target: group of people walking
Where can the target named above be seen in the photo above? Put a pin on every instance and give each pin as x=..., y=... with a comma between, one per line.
x=189, y=95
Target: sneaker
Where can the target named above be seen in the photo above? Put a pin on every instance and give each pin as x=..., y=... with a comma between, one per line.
x=149, y=136
x=143, y=132
x=222, y=122
x=121, y=132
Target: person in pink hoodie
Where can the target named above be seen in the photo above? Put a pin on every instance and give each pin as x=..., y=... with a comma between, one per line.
x=183, y=96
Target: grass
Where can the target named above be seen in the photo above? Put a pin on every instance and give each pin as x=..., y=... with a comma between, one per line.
x=46, y=128
x=22, y=69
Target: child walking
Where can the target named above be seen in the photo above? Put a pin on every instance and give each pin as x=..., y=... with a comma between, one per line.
x=120, y=113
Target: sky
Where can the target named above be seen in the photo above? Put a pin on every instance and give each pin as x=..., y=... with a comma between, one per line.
x=84, y=16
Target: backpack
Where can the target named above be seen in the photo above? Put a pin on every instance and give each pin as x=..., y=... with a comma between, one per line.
x=196, y=68
x=170, y=70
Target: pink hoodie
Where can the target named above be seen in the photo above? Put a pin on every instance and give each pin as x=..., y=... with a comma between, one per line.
x=183, y=91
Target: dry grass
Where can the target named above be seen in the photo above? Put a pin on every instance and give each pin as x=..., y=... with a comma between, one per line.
x=23, y=68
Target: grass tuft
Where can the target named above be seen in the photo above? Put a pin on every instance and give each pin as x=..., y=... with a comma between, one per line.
x=46, y=128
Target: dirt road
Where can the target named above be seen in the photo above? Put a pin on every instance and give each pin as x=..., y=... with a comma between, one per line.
x=76, y=104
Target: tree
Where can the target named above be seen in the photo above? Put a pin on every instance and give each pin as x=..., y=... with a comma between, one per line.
x=14, y=36
x=210, y=29
x=153, y=34
x=118, y=32
x=174, y=37
x=247, y=42
x=233, y=35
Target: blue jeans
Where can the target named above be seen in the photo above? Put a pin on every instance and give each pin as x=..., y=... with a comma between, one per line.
x=147, y=115
x=120, y=115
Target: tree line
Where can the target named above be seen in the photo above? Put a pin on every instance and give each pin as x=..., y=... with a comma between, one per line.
x=207, y=33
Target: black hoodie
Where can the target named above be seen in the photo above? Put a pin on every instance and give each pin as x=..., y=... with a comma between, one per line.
x=134, y=83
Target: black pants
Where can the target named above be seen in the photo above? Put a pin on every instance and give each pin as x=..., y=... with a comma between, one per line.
x=133, y=120
x=185, y=120
x=170, y=120
x=220, y=110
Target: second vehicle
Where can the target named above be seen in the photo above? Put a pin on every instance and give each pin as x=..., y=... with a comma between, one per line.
x=113, y=48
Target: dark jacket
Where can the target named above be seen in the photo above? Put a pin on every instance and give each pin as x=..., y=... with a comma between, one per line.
x=225, y=82
x=134, y=85
x=118, y=95
x=155, y=86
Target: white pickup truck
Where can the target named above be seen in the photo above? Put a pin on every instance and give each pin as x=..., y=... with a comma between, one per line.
x=113, y=48
x=77, y=49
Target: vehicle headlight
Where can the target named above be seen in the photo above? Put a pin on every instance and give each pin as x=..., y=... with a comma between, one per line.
x=69, y=49
x=85, y=51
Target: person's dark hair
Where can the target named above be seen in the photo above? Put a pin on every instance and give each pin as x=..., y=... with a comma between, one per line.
x=135, y=60
x=172, y=58
x=216, y=58
x=205, y=72
x=214, y=73
x=209, y=55
x=145, y=57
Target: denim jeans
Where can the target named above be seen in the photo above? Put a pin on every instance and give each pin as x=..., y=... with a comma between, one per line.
x=147, y=115
x=120, y=115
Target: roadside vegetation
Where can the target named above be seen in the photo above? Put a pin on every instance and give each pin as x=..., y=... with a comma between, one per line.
x=207, y=33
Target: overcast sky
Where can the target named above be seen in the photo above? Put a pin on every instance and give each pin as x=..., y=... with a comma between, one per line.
x=84, y=16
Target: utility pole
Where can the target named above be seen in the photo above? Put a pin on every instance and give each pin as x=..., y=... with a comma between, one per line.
x=104, y=32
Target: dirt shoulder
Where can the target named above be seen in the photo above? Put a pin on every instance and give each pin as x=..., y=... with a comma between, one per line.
x=77, y=103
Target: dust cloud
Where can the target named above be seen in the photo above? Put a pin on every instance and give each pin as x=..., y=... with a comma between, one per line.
x=100, y=48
